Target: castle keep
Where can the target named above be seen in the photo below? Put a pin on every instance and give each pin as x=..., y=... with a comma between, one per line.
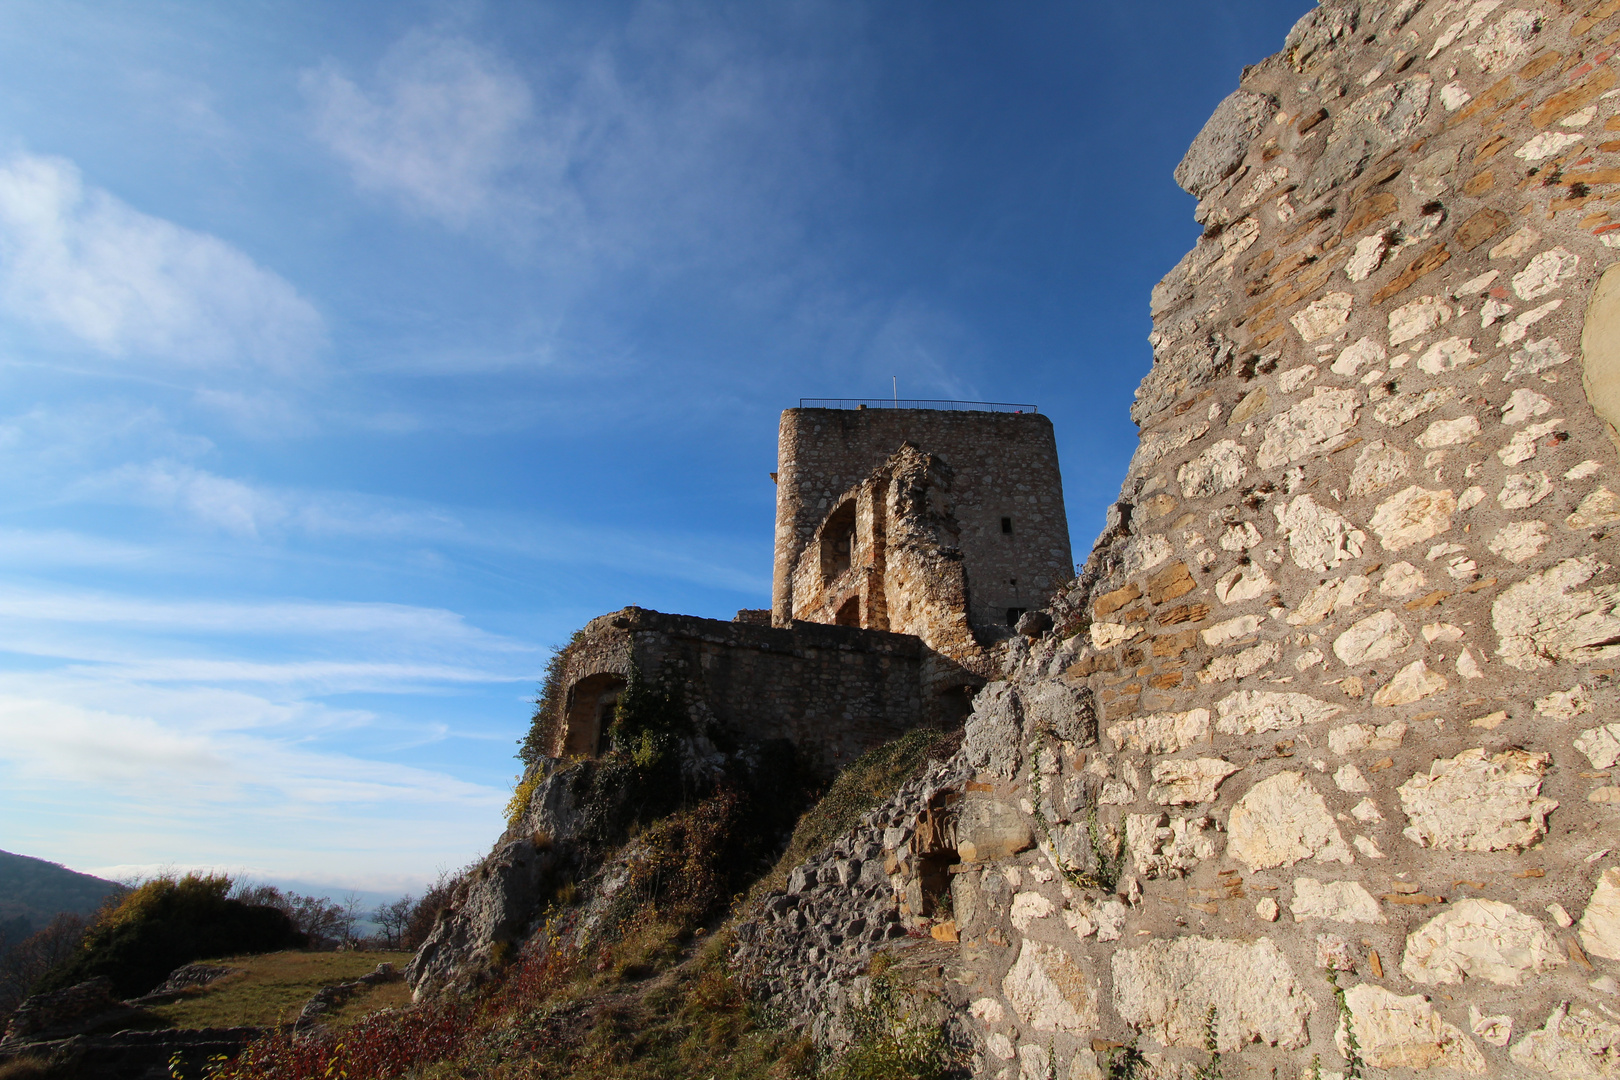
x=908, y=542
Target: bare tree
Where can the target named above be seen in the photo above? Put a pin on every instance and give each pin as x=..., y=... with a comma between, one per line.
x=394, y=918
x=349, y=914
x=25, y=963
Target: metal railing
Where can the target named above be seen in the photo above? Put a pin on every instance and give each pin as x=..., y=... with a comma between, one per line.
x=915, y=403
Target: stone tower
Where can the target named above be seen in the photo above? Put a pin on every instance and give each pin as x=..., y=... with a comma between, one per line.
x=968, y=500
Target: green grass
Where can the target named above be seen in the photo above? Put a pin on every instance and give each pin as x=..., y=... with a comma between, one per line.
x=273, y=987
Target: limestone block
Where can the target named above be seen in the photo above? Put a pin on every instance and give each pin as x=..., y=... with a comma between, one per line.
x=1179, y=781
x=1565, y=704
x=1524, y=405
x=1521, y=490
x=1223, y=141
x=1520, y=541
x=1322, y=318
x=1414, y=319
x=1601, y=745
x=1161, y=846
x=1266, y=908
x=1373, y=638
x=1404, y=408
x=1106, y=635
x=1161, y=733
x=1401, y=579
x=1340, y=901
x=1496, y=1030
x=1597, y=509
x=1378, y=465
x=1395, y=1032
x=1240, y=665
x=1349, y=778
x=1545, y=273
x=1446, y=355
x=1368, y=256
x=1412, y=515
x=992, y=734
x=1316, y=425
x=1166, y=988
x=1001, y=1046
x=1329, y=598
x=987, y=1011
x=1600, y=349
x=1240, y=537
x=1449, y=432
x=1085, y=1066
x=1318, y=537
x=1506, y=42
x=1034, y=1062
x=1600, y=924
x=1251, y=712
x=1282, y=820
x=988, y=828
x=1062, y=708
x=1144, y=553
x=1357, y=738
x=1366, y=811
x=1244, y=583
x=1231, y=630
x=1474, y=803
x=1414, y=682
x=1582, y=1046
x=1364, y=352
x=1544, y=618
x=1218, y=469
x=1534, y=358
x=1027, y=907
x=1050, y=990
x=1480, y=939
x=1522, y=447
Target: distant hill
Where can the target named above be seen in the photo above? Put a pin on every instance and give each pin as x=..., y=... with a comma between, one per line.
x=33, y=892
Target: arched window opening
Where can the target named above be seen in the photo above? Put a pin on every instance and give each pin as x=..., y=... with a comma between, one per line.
x=590, y=713
x=838, y=541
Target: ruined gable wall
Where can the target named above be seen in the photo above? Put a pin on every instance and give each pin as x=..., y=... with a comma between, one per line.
x=1353, y=628
x=1005, y=466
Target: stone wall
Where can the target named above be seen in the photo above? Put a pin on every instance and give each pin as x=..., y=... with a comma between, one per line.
x=1329, y=719
x=1005, y=466
x=833, y=691
x=1353, y=629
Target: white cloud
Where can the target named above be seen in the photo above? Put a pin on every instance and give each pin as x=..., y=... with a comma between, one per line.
x=74, y=258
x=439, y=128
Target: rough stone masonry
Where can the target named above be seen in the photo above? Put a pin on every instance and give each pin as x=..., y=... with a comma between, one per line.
x=1331, y=710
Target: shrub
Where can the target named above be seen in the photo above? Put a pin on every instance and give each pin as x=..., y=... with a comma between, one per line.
x=546, y=722
x=168, y=922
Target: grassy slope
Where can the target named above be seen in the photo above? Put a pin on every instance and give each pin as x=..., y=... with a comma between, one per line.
x=656, y=1002
x=273, y=987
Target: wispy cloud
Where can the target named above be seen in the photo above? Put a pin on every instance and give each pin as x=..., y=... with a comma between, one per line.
x=75, y=259
x=438, y=127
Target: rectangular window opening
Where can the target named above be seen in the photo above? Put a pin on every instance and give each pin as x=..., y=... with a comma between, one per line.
x=1006, y=525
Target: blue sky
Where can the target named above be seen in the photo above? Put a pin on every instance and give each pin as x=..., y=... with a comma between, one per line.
x=352, y=355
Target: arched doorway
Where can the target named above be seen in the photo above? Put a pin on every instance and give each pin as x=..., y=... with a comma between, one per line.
x=590, y=713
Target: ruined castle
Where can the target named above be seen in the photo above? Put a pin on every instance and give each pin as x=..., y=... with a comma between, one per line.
x=1316, y=764
x=909, y=541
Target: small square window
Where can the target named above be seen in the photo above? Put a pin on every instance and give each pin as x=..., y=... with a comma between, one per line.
x=1012, y=616
x=1006, y=525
